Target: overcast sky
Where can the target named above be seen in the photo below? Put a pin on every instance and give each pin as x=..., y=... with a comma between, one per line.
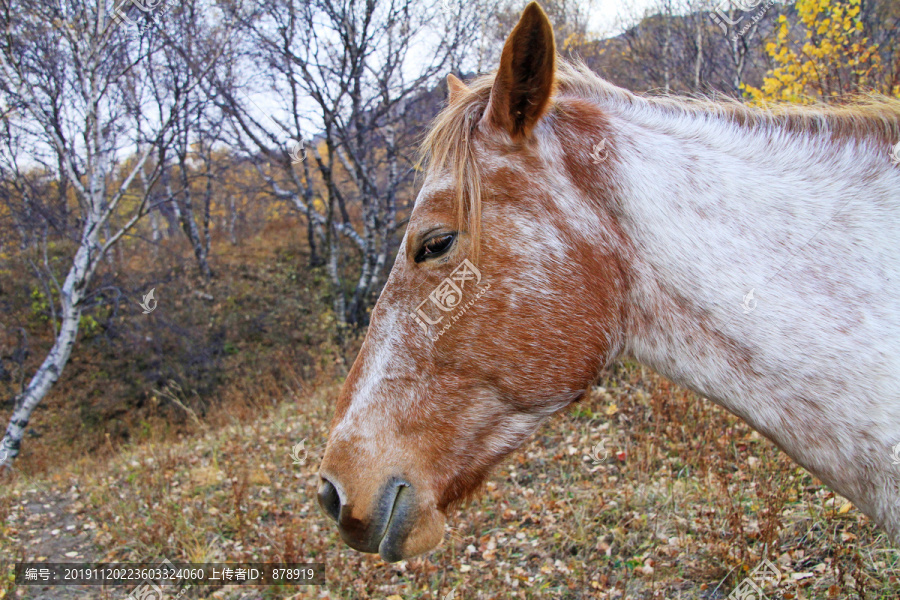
x=610, y=15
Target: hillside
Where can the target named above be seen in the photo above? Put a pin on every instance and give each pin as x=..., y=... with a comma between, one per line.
x=683, y=502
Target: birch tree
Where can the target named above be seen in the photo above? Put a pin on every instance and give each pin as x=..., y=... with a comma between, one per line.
x=79, y=85
x=349, y=73
x=196, y=122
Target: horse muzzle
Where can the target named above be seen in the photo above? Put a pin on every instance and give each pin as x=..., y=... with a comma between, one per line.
x=392, y=520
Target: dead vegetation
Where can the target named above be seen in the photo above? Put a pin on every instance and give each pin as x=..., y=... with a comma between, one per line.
x=640, y=491
x=681, y=500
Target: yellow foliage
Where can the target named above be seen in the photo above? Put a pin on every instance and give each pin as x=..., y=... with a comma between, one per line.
x=834, y=61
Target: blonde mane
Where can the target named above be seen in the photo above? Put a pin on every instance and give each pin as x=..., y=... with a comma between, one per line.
x=448, y=144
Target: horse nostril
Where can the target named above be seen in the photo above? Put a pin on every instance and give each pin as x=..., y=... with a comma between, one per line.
x=329, y=499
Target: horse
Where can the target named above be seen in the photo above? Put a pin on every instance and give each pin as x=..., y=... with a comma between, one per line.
x=747, y=254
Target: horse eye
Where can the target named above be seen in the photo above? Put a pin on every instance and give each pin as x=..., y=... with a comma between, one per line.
x=435, y=247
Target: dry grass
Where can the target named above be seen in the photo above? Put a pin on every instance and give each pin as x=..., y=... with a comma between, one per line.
x=688, y=500
x=236, y=343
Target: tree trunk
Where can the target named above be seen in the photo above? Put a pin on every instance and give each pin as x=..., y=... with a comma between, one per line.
x=232, y=220
x=189, y=224
x=308, y=195
x=698, y=64
x=739, y=50
x=667, y=47
x=337, y=284
x=184, y=213
x=76, y=283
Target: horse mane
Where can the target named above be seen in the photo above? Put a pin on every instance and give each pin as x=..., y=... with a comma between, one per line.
x=864, y=116
x=448, y=143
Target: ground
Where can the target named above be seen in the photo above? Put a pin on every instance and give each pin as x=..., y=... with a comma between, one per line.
x=641, y=491
x=680, y=501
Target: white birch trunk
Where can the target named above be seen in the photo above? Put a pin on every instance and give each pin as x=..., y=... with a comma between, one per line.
x=77, y=281
x=334, y=273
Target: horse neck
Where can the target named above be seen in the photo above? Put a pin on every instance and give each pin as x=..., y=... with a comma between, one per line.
x=709, y=211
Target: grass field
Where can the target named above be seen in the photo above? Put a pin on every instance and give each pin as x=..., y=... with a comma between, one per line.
x=681, y=500
x=686, y=501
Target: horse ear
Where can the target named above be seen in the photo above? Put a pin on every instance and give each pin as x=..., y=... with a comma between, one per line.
x=455, y=87
x=524, y=81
